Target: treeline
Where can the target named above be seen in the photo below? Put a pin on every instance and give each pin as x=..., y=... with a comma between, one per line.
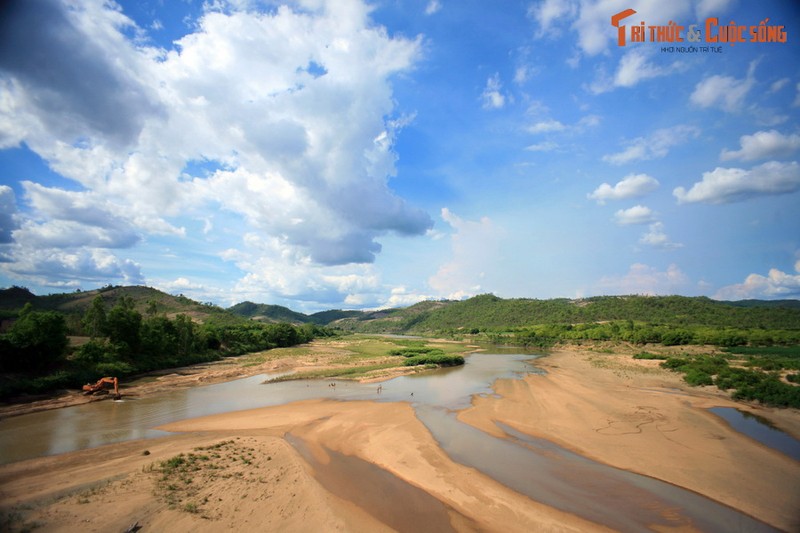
x=546, y=335
x=35, y=355
x=489, y=314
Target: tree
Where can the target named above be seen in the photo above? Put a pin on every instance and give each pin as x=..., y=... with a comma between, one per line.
x=124, y=324
x=94, y=320
x=38, y=341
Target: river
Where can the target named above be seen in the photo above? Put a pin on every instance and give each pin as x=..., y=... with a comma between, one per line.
x=537, y=468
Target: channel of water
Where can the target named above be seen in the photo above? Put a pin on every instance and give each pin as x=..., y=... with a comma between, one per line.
x=537, y=468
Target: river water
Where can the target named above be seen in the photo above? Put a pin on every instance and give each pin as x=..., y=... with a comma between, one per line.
x=537, y=468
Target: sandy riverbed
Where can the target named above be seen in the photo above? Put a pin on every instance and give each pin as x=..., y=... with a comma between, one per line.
x=626, y=413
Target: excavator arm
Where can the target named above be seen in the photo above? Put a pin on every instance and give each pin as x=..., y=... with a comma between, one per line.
x=102, y=386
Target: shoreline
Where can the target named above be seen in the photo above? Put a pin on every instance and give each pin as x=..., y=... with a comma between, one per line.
x=606, y=407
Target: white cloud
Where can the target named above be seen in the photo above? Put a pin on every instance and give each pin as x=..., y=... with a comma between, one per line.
x=776, y=284
x=656, y=238
x=293, y=107
x=54, y=267
x=73, y=219
x=631, y=186
x=796, y=102
x=548, y=13
x=402, y=297
x=492, y=96
x=724, y=92
x=655, y=146
x=634, y=67
x=778, y=85
x=433, y=7
x=544, y=146
x=727, y=185
x=763, y=145
x=647, y=280
x=546, y=126
x=474, y=245
x=593, y=25
x=8, y=213
x=637, y=214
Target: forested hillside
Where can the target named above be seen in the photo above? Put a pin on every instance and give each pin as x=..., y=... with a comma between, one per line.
x=488, y=311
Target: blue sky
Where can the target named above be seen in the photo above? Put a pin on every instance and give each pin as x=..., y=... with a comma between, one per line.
x=327, y=154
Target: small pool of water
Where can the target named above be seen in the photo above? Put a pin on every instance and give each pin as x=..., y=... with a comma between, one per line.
x=759, y=429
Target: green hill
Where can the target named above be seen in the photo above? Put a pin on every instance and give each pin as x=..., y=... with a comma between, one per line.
x=488, y=312
x=268, y=313
x=75, y=304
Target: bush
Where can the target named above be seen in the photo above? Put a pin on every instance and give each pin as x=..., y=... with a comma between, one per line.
x=649, y=356
x=696, y=377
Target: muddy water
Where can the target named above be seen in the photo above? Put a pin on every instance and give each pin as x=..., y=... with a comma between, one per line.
x=546, y=473
x=95, y=424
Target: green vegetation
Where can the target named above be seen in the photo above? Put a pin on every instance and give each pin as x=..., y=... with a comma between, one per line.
x=649, y=356
x=425, y=355
x=751, y=373
x=667, y=320
x=35, y=356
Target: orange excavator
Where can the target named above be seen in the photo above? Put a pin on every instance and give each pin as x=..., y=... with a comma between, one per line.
x=102, y=387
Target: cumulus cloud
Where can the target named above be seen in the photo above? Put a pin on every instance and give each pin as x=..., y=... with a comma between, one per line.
x=657, y=238
x=763, y=145
x=724, y=92
x=292, y=110
x=73, y=219
x=647, y=280
x=654, y=146
x=8, y=213
x=474, y=245
x=637, y=214
x=776, y=284
x=492, y=95
x=631, y=186
x=91, y=90
x=728, y=185
x=54, y=267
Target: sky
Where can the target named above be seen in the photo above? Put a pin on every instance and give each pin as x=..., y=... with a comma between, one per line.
x=351, y=154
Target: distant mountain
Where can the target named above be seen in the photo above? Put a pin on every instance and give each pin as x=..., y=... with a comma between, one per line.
x=323, y=318
x=278, y=313
x=268, y=313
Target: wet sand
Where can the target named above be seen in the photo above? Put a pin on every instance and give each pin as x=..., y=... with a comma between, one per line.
x=629, y=414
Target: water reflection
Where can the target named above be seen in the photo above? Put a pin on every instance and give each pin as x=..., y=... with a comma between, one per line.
x=759, y=429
